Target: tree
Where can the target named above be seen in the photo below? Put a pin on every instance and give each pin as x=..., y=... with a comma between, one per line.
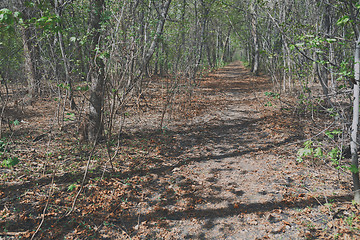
x=254, y=34
x=97, y=72
x=159, y=31
x=31, y=50
x=354, y=128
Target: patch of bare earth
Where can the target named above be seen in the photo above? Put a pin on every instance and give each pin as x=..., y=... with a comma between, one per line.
x=223, y=167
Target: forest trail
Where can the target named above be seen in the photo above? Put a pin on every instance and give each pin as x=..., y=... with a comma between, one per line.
x=239, y=165
x=226, y=170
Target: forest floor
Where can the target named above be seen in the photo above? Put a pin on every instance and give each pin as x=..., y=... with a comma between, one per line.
x=223, y=167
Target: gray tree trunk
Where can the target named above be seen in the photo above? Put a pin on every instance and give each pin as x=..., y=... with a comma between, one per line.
x=29, y=67
x=30, y=47
x=97, y=74
x=354, y=128
x=254, y=34
x=31, y=57
x=65, y=62
x=159, y=31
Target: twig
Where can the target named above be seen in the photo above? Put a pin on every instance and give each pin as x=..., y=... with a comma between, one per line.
x=45, y=208
x=13, y=233
x=299, y=141
x=50, y=193
x=86, y=171
x=84, y=178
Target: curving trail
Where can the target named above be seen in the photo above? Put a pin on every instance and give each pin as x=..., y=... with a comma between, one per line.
x=240, y=168
x=224, y=169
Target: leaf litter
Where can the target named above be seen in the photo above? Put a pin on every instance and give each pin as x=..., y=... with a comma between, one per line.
x=223, y=167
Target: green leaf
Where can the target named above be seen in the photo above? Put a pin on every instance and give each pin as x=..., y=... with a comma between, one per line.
x=331, y=40
x=16, y=122
x=72, y=187
x=10, y=162
x=84, y=88
x=17, y=14
x=304, y=152
x=343, y=20
x=2, y=146
x=318, y=153
x=333, y=133
x=354, y=169
x=334, y=154
x=308, y=144
x=71, y=117
x=268, y=104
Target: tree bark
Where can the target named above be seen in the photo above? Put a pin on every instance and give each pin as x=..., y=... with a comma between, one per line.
x=255, y=59
x=65, y=62
x=354, y=128
x=31, y=57
x=97, y=73
x=159, y=31
x=200, y=44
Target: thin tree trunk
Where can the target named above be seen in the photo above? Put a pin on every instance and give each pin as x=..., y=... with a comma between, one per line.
x=199, y=55
x=97, y=74
x=31, y=56
x=225, y=56
x=66, y=63
x=159, y=31
x=255, y=60
x=354, y=128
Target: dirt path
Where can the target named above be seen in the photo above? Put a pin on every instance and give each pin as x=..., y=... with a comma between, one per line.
x=242, y=175
x=228, y=173
x=233, y=174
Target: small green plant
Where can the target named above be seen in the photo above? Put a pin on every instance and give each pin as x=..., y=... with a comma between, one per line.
x=318, y=153
x=83, y=88
x=334, y=133
x=268, y=104
x=273, y=95
x=6, y=160
x=337, y=235
x=15, y=122
x=72, y=187
x=71, y=117
x=2, y=146
x=310, y=225
x=332, y=112
x=329, y=205
x=10, y=162
x=353, y=169
x=306, y=151
x=64, y=86
x=350, y=219
x=312, y=153
x=334, y=155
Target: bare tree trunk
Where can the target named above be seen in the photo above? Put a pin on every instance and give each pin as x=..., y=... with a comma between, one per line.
x=200, y=45
x=183, y=40
x=255, y=60
x=30, y=48
x=159, y=31
x=65, y=62
x=225, y=56
x=31, y=56
x=354, y=128
x=97, y=74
